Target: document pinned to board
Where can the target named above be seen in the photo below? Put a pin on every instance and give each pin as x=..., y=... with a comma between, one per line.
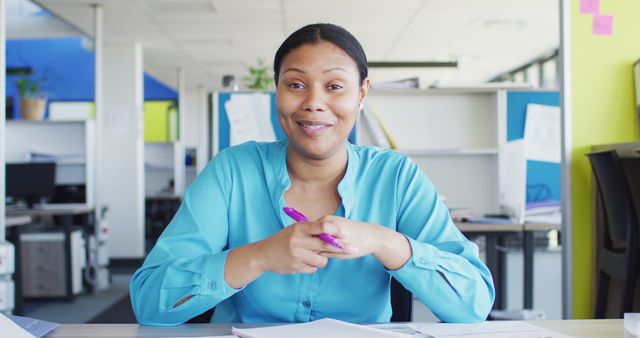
x=542, y=133
x=250, y=118
x=321, y=328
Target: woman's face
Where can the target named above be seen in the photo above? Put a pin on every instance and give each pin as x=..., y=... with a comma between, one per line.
x=318, y=98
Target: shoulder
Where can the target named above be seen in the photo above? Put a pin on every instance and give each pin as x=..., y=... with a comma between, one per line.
x=378, y=158
x=248, y=158
x=247, y=152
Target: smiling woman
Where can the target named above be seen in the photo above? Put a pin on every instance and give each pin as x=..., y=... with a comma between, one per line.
x=232, y=246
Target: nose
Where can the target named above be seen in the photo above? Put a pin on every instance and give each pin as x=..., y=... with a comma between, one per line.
x=314, y=101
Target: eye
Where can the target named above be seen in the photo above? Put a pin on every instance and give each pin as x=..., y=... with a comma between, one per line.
x=334, y=87
x=295, y=85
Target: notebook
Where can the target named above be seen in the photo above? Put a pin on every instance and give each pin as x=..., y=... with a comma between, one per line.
x=321, y=328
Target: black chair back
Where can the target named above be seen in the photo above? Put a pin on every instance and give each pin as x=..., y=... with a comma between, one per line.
x=621, y=220
x=617, y=251
x=401, y=302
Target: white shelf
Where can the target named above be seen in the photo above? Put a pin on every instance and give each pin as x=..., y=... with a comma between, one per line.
x=22, y=121
x=71, y=162
x=449, y=152
x=158, y=167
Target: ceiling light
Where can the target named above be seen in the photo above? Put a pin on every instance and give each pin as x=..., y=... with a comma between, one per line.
x=413, y=64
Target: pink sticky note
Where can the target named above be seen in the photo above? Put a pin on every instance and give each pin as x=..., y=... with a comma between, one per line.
x=590, y=6
x=602, y=25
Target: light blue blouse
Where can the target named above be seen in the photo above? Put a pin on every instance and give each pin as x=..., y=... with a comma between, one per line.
x=238, y=199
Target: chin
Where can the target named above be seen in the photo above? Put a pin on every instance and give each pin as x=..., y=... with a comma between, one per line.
x=317, y=152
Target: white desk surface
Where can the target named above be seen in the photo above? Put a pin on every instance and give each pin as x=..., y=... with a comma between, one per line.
x=51, y=210
x=19, y=220
x=509, y=227
x=578, y=328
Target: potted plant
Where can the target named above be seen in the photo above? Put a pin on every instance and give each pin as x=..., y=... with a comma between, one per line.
x=32, y=100
x=259, y=76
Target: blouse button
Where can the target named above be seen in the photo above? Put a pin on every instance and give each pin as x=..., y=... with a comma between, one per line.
x=423, y=260
x=212, y=284
x=306, y=304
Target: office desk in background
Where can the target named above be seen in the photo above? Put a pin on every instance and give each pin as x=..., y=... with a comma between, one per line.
x=579, y=328
x=496, y=235
x=23, y=218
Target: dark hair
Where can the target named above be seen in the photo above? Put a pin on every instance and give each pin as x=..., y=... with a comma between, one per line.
x=315, y=33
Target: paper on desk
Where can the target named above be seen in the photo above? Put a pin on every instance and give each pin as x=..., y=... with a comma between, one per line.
x=322, y=328
x=11, y=329
x=493, y=329
x=202, y=337
x=34, y=326
x=542, y=133
x=250, y=118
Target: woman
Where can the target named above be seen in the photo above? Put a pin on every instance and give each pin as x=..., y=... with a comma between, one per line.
x=232, y=246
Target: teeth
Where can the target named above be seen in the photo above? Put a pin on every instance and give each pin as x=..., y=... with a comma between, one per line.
x=314, y=126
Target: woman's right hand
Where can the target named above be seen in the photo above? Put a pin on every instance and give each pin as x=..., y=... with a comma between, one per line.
x=296, y=249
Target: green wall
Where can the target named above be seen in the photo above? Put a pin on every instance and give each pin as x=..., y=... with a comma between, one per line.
x=603, y=112
x=159, y=124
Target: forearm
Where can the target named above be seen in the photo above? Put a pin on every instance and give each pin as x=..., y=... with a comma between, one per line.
x=393, y=249
x=243, y=265
x=172, y=292
x=451, y=281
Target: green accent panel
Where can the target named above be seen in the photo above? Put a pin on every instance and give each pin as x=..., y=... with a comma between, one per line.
x=156, y=121
x=603, y=112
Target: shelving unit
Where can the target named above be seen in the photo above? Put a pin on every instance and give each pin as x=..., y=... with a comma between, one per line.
x=454, y=135
x=69, y=143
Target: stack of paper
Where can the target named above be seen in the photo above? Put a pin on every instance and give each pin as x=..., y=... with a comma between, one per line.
x=317, y=329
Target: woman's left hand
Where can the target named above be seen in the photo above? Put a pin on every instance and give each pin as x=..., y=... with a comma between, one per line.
x=359, y=239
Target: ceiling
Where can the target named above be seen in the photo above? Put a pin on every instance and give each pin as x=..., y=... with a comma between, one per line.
x=211, y=38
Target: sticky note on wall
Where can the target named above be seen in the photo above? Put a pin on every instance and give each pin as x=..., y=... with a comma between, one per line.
x=590, y=6
x=602, y=24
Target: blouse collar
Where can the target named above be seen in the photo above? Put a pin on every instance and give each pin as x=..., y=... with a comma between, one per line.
x=283, y=181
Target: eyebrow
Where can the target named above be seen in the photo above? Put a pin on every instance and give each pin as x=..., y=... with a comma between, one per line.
x=294, y=69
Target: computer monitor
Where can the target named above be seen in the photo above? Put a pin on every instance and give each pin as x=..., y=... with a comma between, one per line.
x=31, y=182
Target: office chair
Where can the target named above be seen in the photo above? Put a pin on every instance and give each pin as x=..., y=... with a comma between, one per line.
x=401, y=302
x=617, y=252
x=203, y=318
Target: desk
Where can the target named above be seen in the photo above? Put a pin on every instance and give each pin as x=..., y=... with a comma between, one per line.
x=578, y=328
x=13, y=221
x=66, y=216
x=495, y=235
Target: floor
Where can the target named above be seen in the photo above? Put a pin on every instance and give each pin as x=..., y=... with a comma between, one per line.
x=84, y=308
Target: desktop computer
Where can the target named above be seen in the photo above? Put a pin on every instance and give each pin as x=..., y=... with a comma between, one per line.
x=30, y=182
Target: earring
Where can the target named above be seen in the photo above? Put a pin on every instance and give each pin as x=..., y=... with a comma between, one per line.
x=361, y=106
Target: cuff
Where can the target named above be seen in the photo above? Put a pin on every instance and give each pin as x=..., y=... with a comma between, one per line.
x=422, y=256
x=212, y=281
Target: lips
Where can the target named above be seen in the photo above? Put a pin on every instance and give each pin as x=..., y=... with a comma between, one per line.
x=313, y=124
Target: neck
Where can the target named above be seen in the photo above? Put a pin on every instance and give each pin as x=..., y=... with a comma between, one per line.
x=313, y=172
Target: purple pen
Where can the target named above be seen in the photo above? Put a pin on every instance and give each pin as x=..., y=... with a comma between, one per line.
x=300, y=217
